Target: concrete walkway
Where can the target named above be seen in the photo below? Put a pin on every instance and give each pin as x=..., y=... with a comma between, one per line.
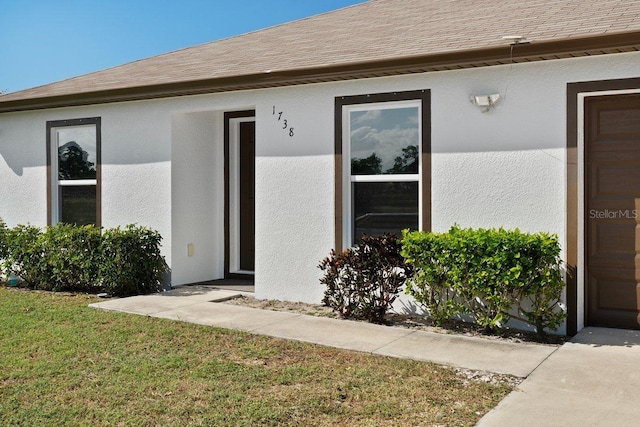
x=197, y=305
x=591, y=381
x=594, y=380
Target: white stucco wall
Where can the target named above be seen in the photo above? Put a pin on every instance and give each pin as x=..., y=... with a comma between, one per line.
x=23, y=179
x=162, y=163
x=136, y=165
x=501, y=168
x=197, y=199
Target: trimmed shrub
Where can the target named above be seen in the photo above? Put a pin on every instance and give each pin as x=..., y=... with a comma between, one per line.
x=60, y=258
x=24, y=255
x=432, y=257
x=362, y=282
x=120, y=262
x=494, y=275
x=131, y=261
x=70, y=255
x=539, y=299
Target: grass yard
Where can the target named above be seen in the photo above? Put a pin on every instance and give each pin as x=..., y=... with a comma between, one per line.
x=62, y=363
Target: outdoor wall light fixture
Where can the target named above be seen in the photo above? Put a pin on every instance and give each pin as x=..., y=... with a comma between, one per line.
x=488, y=102
x=485, y=102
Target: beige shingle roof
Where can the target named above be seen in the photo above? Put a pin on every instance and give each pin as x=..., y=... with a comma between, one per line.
x=414, y=35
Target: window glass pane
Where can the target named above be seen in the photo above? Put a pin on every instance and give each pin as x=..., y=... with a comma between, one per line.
x=384, y=141
x=77, y=204
x=384, y=207
x=77, y=152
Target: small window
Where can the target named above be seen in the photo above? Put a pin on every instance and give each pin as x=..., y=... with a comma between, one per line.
x=382, y=143
x=73, y=154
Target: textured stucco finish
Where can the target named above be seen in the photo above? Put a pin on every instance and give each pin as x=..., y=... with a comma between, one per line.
x=163, y=163
x=136, y=165
x=197, y=197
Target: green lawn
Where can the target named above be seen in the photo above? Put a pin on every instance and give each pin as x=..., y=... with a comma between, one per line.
x=62, y=363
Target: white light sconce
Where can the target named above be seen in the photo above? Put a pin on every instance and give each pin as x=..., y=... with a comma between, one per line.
x=485, y=102
x=489, y=102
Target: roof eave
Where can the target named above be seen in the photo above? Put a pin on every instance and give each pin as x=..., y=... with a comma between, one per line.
x=497, y=55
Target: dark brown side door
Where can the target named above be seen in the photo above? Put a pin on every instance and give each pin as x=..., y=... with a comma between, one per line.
x=612, y=214
x=247, y=195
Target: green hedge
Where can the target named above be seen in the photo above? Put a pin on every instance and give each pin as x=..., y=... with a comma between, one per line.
x=138, y=250
x=493, y=275
x=24, y=254
x=65, y=257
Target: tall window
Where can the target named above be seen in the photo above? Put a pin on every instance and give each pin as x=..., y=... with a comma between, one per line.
x=73, y=157
x=382, y=146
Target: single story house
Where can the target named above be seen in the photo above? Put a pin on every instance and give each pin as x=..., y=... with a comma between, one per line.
x=257, y=154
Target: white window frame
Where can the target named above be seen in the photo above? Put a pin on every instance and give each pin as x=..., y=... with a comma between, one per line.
x=349, y=179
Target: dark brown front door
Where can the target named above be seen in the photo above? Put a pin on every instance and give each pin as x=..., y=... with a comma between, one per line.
x=612, y=214
x=247, y=195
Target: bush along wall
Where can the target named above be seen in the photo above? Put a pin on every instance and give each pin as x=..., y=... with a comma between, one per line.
x=492, y=274
x=131, y=261
x=121, y=261
x=362, y=282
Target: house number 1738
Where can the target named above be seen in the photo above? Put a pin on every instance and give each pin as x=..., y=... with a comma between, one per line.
x=283, y=120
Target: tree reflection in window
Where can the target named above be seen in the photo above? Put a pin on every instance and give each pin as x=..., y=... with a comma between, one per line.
x=408, y=162
x=73, y=162
x=372, y=165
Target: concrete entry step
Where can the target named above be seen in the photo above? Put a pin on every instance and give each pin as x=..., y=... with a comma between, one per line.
x=240, y=285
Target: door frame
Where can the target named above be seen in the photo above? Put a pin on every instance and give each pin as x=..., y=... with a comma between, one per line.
x=576, y=294
x=231, y=207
